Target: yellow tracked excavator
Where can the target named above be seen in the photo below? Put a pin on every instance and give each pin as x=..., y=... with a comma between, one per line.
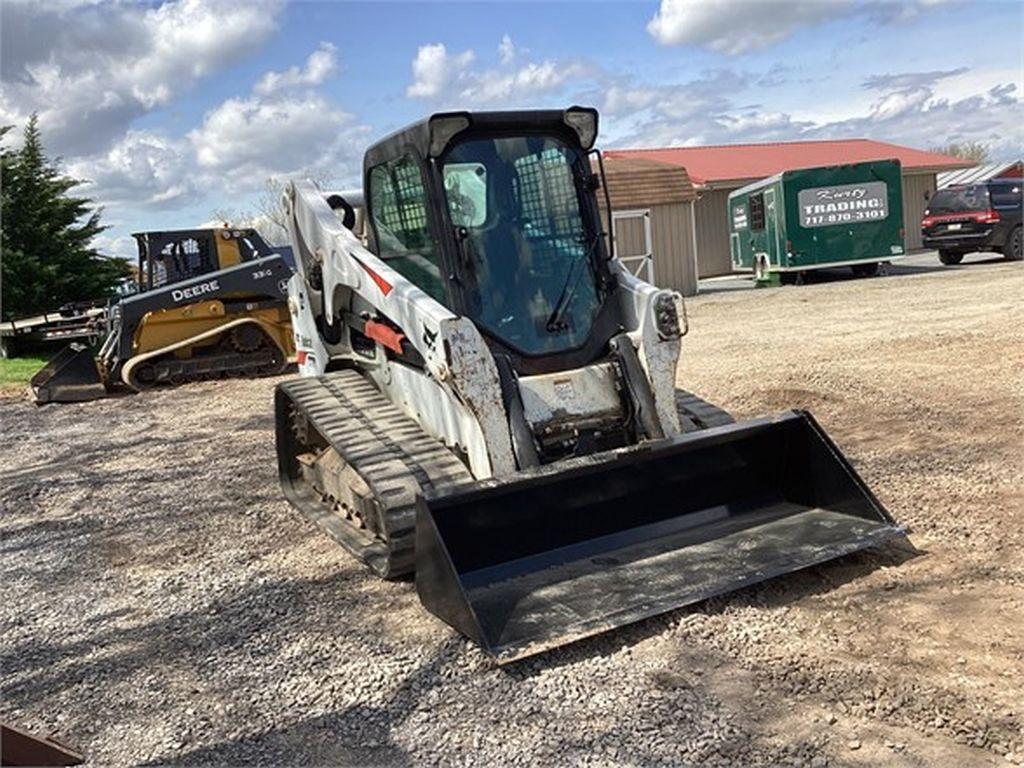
x=211, y=303
x=488, y=400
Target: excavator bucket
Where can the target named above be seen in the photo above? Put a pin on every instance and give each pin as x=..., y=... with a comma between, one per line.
x=71, y=376
x=584, y=546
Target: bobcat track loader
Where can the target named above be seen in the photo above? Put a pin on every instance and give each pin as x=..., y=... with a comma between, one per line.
x=487, y=398
x=211, y=303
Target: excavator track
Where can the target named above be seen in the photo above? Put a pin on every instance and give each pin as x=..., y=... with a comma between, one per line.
x=382, y=459
x=223, y=360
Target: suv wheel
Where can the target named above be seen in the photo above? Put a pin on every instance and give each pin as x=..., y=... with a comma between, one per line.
x=949, y=258
x=1013, y=246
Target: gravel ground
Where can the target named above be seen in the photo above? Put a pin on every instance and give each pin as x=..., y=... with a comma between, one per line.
x=162, y=604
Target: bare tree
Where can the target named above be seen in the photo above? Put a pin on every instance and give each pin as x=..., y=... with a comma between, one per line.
x=267, y=215
x=225, y=216
x=972, y=151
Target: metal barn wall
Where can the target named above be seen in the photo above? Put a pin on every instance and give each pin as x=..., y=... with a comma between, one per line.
x=918, y=188
x=713, y=233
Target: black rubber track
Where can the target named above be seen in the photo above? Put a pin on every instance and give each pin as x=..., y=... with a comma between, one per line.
x=389, y=451
x=695, y=413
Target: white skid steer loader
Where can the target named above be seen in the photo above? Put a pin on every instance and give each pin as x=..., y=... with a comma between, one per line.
x=487, y=398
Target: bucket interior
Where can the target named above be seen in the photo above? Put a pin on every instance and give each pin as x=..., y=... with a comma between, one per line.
x=547, y=559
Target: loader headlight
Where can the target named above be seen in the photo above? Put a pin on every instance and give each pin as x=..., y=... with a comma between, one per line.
x=666, y=317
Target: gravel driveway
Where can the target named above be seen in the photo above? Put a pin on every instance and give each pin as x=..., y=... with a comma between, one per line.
x=162, y=604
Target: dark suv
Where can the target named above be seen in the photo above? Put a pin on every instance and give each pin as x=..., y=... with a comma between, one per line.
x=974, y=217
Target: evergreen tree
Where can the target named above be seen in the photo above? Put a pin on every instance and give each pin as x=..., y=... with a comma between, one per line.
x=46, y=234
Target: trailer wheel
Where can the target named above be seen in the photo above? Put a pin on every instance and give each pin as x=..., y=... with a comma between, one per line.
x=865, y=270
x=949, y=258
x=1013, y=246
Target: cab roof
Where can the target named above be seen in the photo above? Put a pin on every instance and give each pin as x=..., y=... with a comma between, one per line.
x=429, y=137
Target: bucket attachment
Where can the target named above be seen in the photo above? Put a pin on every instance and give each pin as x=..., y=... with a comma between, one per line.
x=71, y=376
x=581, y=547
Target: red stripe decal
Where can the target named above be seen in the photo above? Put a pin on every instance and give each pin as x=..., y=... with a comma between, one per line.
x=385, y=335
x=384, y=285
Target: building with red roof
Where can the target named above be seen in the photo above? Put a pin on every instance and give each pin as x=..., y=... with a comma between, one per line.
x=715, y=171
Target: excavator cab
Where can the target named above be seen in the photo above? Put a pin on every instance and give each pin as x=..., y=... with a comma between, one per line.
x=497, y=322
x=209, y=302
x=177, y=255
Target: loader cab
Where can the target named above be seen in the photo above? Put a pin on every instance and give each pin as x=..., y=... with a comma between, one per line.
x=169, y=257
x=494, y=215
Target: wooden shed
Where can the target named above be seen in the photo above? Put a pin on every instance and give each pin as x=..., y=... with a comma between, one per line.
x=652, y=221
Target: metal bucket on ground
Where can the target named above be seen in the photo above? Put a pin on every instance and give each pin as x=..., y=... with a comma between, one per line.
x=71, y=376
x=575, y=549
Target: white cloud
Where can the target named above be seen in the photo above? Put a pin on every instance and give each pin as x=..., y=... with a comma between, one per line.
x=89, y=70
x=320, y=65
x=279, y=129
x=247, y=140
x=144, y=168
x=933, y=112
x=450, y=79
x=735, y=27
x=918, y=109
x=530, y=80
x=121, y=246
x=434, y=69
x=507, y=49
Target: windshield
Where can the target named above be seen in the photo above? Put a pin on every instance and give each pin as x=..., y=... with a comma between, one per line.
x=973, y=198
x=516, y=208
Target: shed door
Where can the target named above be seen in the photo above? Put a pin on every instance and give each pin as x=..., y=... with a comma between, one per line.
x=633, y=245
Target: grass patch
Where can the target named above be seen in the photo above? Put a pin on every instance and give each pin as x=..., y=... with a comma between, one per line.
x=16, y=372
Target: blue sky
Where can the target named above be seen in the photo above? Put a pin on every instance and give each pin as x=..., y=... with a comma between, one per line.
x=174, y=110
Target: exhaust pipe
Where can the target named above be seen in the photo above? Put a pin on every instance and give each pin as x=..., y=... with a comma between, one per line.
x=71, y=376
x=580, y=547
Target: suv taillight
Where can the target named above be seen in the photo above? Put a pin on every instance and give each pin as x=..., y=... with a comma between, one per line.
x=987, y=217
x=926, y=222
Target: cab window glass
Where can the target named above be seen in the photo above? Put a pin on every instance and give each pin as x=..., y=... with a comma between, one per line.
x=1006, y=195
x=398, y=203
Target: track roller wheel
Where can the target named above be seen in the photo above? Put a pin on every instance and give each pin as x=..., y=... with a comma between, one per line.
x=246, y=338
